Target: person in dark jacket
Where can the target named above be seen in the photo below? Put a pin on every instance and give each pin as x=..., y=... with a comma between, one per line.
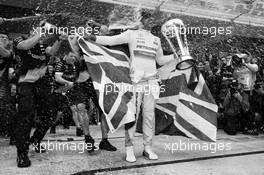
x=34, y=54
x=235, y=104
x=6, y=59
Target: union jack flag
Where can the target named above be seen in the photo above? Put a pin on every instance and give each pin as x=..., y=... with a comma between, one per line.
x=186, y=106
x=109, y=70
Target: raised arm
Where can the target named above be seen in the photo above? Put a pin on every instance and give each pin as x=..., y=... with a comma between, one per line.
x=29, y=43
x=161, y=58
x=112, y=40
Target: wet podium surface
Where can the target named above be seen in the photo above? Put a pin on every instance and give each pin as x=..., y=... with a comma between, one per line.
x=239, y=154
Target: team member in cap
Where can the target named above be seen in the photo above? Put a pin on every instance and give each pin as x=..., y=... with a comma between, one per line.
x=34, y=59
x=145, y=51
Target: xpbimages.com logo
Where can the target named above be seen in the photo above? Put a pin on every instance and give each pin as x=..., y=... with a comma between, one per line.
x=81, y=147
x=212, y=147
x=198, y=30
x=122, y=87
x=81, y=31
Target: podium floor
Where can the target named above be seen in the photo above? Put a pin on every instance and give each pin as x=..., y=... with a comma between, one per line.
x=239, y=154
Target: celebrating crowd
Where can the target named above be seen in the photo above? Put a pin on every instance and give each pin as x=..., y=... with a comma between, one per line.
x=35, y=83
x=38, y=87
x=38, y=73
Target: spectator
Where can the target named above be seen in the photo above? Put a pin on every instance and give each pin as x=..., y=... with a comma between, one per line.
x=6, y=59
x=1, y=20
x=257, y=111
x=245, y=72
x=235, y=104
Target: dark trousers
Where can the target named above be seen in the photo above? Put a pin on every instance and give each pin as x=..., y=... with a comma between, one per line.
x=4, y=108
x=90, y=92
x=95, y=102
x=31, y=96
x=12, y=114
x=61, y=103
x=232, y=124
x=3, y=118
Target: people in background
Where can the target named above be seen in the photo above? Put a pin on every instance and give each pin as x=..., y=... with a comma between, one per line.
x=6, y=60
x=245, y=71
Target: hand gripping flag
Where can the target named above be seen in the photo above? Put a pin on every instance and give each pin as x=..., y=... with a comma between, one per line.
x=186, y=106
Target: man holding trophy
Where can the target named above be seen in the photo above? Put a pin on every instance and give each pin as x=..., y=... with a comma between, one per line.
x=145, y=51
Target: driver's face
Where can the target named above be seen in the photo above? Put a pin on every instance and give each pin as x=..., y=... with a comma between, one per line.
x=148, y=22
x=4, y=39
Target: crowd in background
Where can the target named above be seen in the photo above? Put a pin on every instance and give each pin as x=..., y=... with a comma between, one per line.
x=240, y=107
x=215, y=65
x=11, y=67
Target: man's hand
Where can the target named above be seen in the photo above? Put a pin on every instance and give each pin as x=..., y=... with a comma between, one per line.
x=3, y=51
x=63, y=37
x=90, y=22
x=244, y=62
x=89, y=37
x=1, y=20
x=218, y=73
x=11, y=73
x=42, y=23
x=70, y=84
x=4, y=42
x=238, y=96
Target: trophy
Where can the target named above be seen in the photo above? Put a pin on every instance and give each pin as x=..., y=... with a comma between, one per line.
x=174, y=29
